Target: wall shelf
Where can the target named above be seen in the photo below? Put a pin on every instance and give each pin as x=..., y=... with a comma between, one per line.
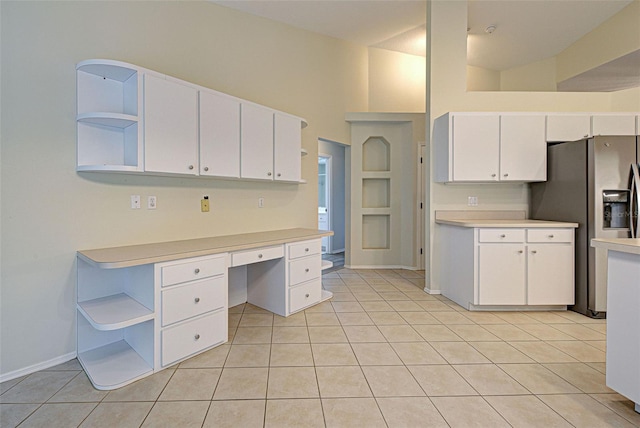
x=115, y=120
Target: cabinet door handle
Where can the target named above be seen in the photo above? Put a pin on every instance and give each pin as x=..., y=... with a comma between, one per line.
x=306, y=270
x=269, y=174
x=196, y=271
x=259, y=256
x=197, y=336
x=520, y=251
x=279, y=174
x=306, y=295
x=551, y=236
x=190, y=166
x=197, y=300
x=506, y=175
x=306, y=250
x=503, y=236
x=493, y=175
x=206, y=168
x=534, y=252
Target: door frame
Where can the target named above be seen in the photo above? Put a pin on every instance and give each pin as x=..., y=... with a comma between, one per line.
x=328, y=195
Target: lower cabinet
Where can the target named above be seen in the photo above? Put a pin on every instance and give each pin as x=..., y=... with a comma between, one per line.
x=508, y=267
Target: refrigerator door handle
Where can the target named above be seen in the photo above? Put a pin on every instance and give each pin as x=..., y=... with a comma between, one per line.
x=634, y=187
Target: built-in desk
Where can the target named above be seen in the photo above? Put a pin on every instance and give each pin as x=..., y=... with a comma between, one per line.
x=142, y=308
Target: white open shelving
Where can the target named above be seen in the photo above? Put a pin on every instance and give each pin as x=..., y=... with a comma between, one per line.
x=114, y=312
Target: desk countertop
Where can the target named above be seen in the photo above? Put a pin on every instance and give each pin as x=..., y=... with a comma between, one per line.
x=623, y=245
x=135, y=255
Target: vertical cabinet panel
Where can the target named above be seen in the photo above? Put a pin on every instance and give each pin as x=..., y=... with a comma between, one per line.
x=476, y=145
x=256, y=149
x=523, y=148
x=170, y=126
x=219, y=135
x=287, y=145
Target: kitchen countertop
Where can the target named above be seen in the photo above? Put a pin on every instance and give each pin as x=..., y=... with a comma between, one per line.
x=623, y=245
x=519, y=223
x=135, y=255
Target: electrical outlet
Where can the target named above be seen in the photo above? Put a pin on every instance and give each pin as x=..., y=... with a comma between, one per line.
x=135, y=202
x=260, y=202
x=204, y=204
x=152, y=203
x=472, y=201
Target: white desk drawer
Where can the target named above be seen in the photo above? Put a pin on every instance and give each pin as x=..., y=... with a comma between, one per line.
x=193, y=336
x=304, y=295
x=191, y=269
x=182, y=302
x=240, y=258
x=550, y=235
x=501, y=235
x=304, y=269
x=306, y=248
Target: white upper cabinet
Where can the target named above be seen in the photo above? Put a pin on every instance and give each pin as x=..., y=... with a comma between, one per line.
x=287, y=145
x=613, y=124
x=523, y=148
x=219, y=135
x=568, y=127
x=256, y=159
x=130, y=119
x=170, y=126
x=485, y=147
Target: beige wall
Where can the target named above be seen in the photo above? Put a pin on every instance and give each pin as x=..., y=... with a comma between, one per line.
x=49, y=211
x=482, y=79
x=396, y=82
x=447, y=23
x=537, y=76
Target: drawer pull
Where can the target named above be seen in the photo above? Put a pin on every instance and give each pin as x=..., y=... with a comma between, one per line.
x=259, y=256
x=493, y=175
x=206, y=168
x=307, y=270
x=306, y=295
x=269, y=174
x=534, y=252
x=506, y=175
x=197, y=300
x=197, y=271
x=196, y=337
x=190, y=166
x=551, y=236
x=503, y=236
x=520, y=251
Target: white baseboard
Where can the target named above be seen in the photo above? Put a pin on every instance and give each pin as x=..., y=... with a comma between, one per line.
x=381, y=267
x=37, y=367
x=431, y=291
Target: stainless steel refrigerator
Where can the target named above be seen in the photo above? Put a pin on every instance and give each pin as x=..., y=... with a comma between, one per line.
x=594, y=183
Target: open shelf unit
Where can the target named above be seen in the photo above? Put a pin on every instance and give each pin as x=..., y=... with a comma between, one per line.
x=109, y=136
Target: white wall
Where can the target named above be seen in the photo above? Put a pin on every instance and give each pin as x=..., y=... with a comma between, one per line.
x=49, y=211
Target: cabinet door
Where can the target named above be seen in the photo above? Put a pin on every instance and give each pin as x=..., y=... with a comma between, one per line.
x=523, y=148
x=501, y=274
x=170, y=126
x=476, y=147
x=219, y=135
x=609, y=125
x=287, y=144
x=568, y=127
x=256, y=160
x=550, y=275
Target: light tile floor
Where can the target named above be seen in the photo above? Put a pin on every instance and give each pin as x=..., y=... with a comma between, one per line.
x=380, y=353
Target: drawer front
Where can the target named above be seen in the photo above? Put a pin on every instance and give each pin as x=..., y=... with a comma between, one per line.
x=305, y=269
x=550, y=235
x=240, y=258
x=182, y=302
x=304, y=295
x=193, y=336
x=306, y=248
x=192, y=269
x=501, y=235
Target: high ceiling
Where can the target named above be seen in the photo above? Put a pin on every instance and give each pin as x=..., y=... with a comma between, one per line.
x=525, y=30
